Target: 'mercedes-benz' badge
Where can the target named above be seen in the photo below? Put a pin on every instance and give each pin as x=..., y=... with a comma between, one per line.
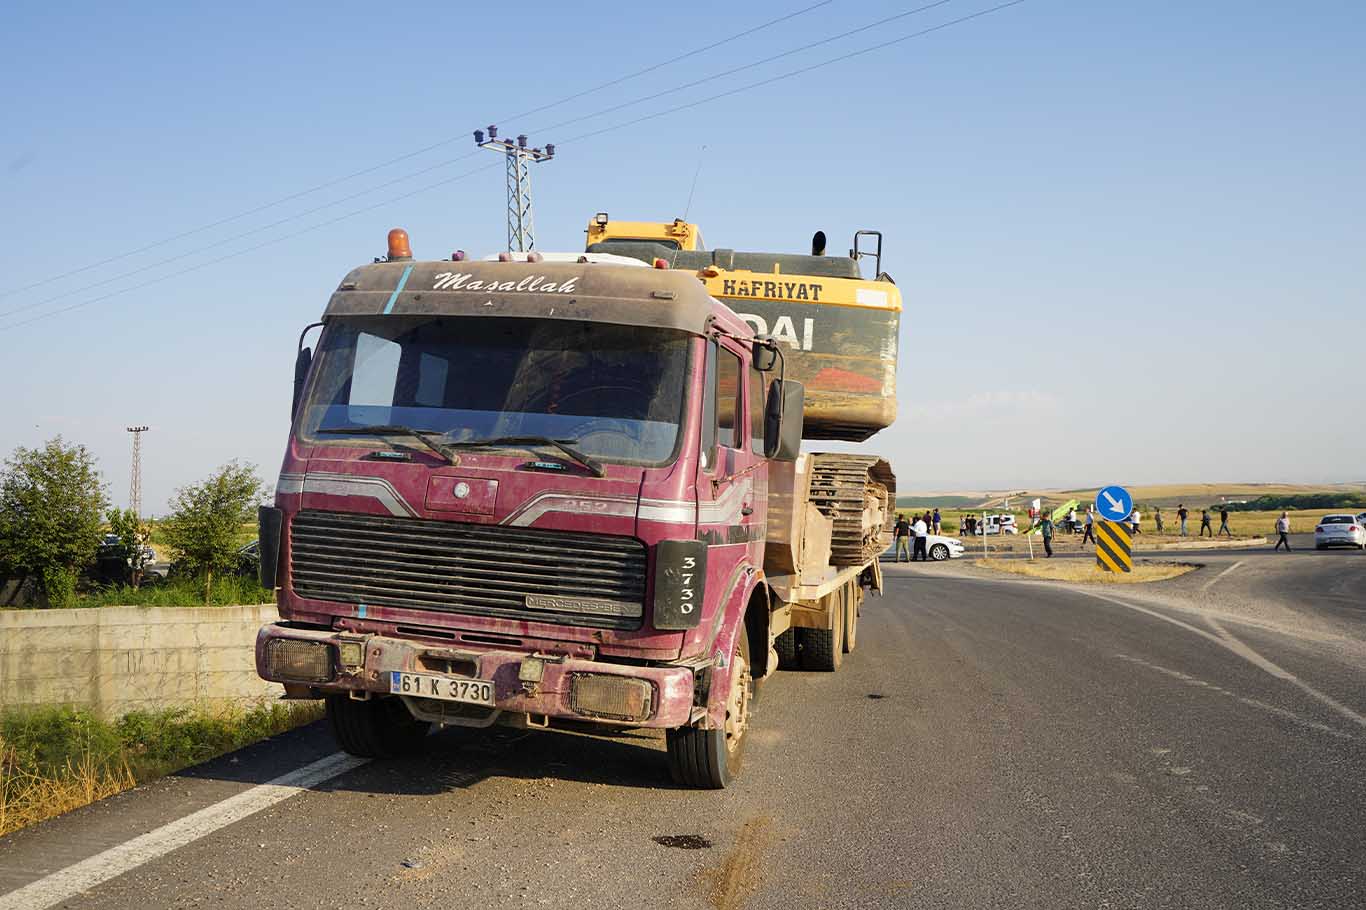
x=591, y=605
x=461, y=490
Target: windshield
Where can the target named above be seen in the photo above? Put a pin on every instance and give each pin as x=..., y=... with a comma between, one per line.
x=614, y=392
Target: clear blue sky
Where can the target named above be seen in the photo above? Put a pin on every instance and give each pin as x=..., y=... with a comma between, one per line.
x=1134, y=231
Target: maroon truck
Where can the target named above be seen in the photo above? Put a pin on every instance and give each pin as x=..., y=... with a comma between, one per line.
x=531, y=492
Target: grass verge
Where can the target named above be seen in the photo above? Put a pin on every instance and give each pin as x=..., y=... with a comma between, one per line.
x=1084, y=570
x=53, y=760
x=226, y=591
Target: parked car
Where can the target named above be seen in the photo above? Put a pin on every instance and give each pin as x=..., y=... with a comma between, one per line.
x=249, y=558
x=940, y=547
x=1341, y=530
x=997, y=524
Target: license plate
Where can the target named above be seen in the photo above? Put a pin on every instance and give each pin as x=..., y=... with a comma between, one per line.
x=446, y=688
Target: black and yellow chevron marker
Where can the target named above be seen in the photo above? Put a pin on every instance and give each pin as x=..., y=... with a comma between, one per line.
x=1114, y=547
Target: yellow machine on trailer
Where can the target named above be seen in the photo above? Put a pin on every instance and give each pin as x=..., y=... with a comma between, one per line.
x=832, y=515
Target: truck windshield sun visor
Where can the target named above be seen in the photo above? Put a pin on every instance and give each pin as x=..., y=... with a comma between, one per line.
x=595, y=392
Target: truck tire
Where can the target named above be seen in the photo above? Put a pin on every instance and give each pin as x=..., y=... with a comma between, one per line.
x=711, y=759
x=786, y=646
x=377, y=728
x=823, y=649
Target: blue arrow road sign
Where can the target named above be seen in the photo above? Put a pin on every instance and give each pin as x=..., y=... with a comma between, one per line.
x=1114, y=503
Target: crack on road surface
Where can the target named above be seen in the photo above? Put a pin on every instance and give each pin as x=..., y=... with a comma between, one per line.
x=740, y=873
x=876, y=696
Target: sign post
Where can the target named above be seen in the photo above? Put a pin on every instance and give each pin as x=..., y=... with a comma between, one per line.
x=1114, y=542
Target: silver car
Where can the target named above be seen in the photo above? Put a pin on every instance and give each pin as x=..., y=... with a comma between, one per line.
x=1341, y=530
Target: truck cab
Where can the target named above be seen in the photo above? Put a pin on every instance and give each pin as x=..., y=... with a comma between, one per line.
x=525, y=492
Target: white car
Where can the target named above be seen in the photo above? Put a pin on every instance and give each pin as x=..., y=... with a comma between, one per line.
x=998, y=524
x=1341, y=530
x=940, y=547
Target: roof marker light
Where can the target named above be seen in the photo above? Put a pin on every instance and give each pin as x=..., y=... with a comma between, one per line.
x=661, y=263
x=398, y=245
x=504, y=257
x=534, y=256
x=458, y=256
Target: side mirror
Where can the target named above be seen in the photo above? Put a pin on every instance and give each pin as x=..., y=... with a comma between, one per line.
x=764, y=353
x=301, y=365
x=783, y=416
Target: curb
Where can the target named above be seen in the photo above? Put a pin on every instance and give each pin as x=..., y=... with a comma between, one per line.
x=1209, y=545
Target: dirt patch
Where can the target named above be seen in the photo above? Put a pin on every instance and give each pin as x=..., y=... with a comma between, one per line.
x=739, y=875
x=1085, y=571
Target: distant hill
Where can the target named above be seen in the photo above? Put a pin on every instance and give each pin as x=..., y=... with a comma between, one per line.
x=942, y=502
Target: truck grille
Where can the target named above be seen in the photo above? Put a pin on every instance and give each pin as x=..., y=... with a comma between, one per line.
x=489, y=570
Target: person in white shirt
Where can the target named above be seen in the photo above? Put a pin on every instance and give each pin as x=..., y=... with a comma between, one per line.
x=921, y=533
x=1090, y=531
x=1283, y=529
x=1135, y=518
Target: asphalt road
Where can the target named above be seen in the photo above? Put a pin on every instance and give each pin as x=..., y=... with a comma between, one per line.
x=991, y=743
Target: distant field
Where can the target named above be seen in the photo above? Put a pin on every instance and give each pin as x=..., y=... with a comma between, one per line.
x=1194, y=495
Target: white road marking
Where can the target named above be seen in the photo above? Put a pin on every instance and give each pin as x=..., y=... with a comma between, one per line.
x=73, y=880
x=1211, y=582
x=1250, y=702
x=1225, y=640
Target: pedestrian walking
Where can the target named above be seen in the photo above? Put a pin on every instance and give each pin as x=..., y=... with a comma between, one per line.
x=1182, y=513
x=935, y=524
x=1204, y=523
x=1090, y=531
x=1071, y=519
x=1157, y=519
x=1046, y=529
x=1136, y=521
x=1283, y=529
x=922, y=531
x=903, y=538
x=1223, y=522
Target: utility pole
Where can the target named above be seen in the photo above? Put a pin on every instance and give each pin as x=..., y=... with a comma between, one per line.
x=521, y=231
x=135, y=483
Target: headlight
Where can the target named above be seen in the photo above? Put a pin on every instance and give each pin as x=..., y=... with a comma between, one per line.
x=298, y=661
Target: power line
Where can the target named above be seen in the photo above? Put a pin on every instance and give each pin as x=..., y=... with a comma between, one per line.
x=747, y=66
x=790, y=73
x=392, y=161
x=623, y=125
x=151, y=266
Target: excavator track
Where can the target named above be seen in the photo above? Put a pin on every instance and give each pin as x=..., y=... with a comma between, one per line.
x=858, y=492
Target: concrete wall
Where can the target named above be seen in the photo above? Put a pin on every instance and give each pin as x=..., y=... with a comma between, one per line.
x=118, y=659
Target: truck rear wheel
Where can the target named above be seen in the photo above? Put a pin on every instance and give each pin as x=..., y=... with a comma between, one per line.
x=823, y=649
x=711, y=759
x=376, y=728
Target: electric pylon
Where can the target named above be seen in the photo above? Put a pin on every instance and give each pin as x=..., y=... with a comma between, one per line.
x=135, y=482
x=521, y=230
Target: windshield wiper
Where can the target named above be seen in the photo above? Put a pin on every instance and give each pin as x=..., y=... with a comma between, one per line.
x=426, y=437
x=564, y=445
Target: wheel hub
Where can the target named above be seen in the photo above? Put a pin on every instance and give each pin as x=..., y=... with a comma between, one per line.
x=737, y=703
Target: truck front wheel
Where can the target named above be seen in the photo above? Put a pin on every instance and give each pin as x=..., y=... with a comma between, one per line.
x=376, y=728
x=711, y=759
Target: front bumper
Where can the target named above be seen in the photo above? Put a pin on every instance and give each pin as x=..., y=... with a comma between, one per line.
x=550, y=695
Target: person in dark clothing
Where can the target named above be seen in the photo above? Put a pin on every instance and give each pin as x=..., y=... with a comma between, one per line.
x=903, y=538
x=934, y=525
x=1046, y=529
x=1182, y=513
x=1204, y=523
x=1223, y=522
x=1090, y=527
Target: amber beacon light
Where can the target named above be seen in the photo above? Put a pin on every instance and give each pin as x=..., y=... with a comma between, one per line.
x=398, y=245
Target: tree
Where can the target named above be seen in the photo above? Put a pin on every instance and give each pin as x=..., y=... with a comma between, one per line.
x=51, y=503
x=206, y=518
x=133, y=538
